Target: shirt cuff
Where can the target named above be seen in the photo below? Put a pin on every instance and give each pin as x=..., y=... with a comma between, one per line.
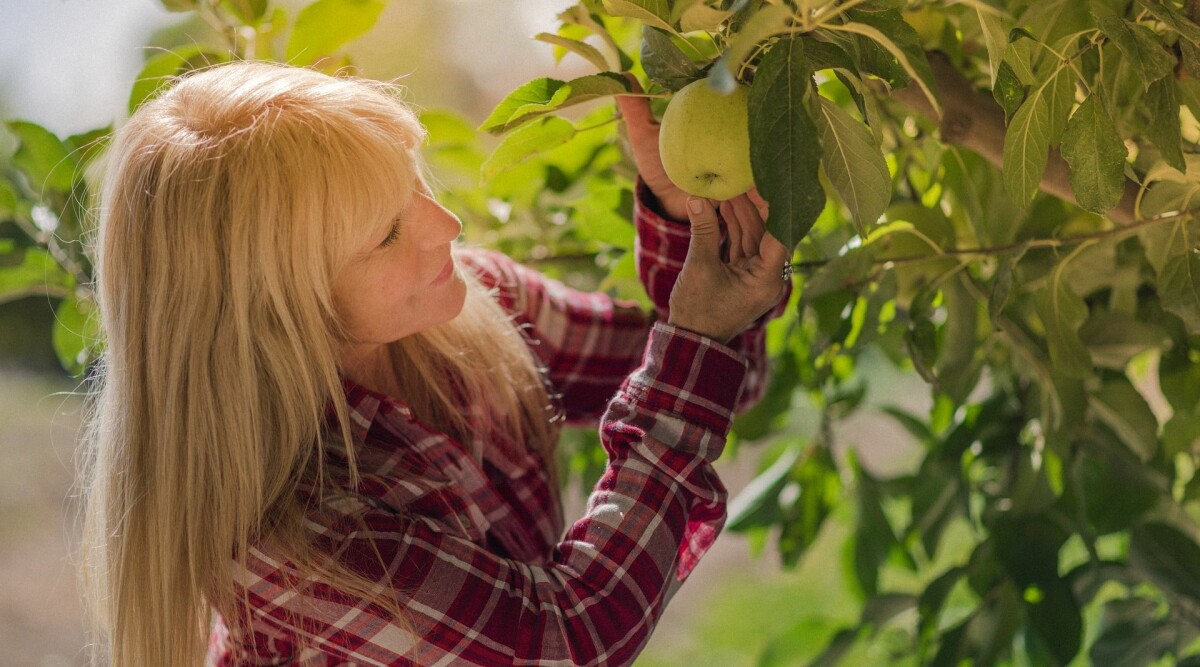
x=651, y=213
x=691, y=376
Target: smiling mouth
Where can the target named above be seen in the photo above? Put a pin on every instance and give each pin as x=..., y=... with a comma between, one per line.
x=445, y=273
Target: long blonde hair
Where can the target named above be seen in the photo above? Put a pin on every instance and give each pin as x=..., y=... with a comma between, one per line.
x=230, y=203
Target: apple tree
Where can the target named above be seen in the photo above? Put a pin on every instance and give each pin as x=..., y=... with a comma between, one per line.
x=995, y=196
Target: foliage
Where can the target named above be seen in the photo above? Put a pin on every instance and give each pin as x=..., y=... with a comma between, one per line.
x=1061, y=348
x=1052, y=516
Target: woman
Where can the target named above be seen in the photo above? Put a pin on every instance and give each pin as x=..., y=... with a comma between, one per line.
x=321, y=419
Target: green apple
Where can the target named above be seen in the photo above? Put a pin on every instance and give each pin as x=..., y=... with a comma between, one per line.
x=705, y=141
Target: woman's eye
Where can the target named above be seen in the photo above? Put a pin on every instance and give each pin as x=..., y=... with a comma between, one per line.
x=391, y=237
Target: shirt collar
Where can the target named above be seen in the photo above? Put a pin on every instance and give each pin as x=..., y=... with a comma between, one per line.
x=366, y=407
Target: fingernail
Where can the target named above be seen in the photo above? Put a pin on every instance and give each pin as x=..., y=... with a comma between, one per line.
x=696, y=205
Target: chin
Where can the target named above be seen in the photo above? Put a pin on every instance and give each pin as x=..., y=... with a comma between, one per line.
x=459, y=288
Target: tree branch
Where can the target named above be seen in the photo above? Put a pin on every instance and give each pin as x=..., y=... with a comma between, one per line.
x=972, y=119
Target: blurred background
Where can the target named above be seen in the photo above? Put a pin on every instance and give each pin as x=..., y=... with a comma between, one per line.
x=68, y=65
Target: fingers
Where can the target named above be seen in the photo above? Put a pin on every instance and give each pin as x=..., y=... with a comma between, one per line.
x=773, y=253
x=706, y=232
x=745, y=225
x=752, y=224
x=734, y=227
x=759, y=203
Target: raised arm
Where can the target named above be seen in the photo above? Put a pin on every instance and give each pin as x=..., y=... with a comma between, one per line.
x=654, y=512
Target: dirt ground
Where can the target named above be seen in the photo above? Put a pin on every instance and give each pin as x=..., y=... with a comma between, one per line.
x=40, y=617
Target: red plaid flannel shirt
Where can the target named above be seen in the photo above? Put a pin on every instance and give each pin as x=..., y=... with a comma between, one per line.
x=475, y=542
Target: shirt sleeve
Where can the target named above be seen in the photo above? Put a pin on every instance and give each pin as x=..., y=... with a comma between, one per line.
x=654, y=512
x=662, y=245
x=590, y=342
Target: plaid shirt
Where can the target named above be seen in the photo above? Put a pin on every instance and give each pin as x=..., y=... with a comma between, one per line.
x=472, y=537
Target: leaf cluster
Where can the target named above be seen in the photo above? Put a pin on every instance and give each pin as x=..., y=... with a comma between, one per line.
x=1051, y=508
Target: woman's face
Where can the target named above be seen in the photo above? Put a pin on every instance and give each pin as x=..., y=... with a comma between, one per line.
x=403, y=280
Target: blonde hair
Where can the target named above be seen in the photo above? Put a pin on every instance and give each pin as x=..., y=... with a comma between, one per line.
x=230, y=203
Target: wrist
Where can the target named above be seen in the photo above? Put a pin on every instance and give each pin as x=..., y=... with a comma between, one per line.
x=669, y=205
x=700, y=329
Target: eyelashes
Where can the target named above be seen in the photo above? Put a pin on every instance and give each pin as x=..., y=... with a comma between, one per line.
x=393, y=234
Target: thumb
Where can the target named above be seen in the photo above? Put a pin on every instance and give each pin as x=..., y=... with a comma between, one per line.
x=706, y=230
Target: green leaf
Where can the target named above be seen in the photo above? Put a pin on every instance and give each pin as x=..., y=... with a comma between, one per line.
x=1028, y=548
x=1096, y=155
x=1139, y=44
x=1189, y=95
x=1062, y=312
x=601, y=216
x=1120, y=407
x=1162, y=106
x=87, y=146
x=840, y=272
x=447, y=127
x=816, y=476
x=1051, y=20
x=931, y=602
x=699, y=16
x=664, y=62
x=785, y=148
x=1179, y=288
x=546, y=95
x=1113, y=338
x=526, y=141
x=1019, y=56
x=1164, y=242
x=622, y=281
x=767, y=22
x=921, y=337
x=1057, y=620
x=874, y=538
x=1109, y=488
x=46, y=160
x=1131, y=634
x=1167, y=557
x=853, y=164
x=179, y=5
x=247, y=11
x=995, y=38
x=1008, y=91
x=76, y=335
x=326, y=25
x=889, y=32
x=1178, y=22
x=1003, y=283
x=578, y=47
x=1035, y=129
x=958, y=366
x=656, y=13
x=758, y=502
x=8, y=201
x=36, y=273
x=827, y=55
x=581, y=18
x=937, y=497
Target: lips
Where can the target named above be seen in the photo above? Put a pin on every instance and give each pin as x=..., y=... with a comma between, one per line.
x=445, y=273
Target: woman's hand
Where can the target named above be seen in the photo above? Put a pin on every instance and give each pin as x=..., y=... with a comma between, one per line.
x=643, y=137
x=720, y=298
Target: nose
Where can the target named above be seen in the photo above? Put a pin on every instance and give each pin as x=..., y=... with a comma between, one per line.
x=443, y=226
x=449, y=226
